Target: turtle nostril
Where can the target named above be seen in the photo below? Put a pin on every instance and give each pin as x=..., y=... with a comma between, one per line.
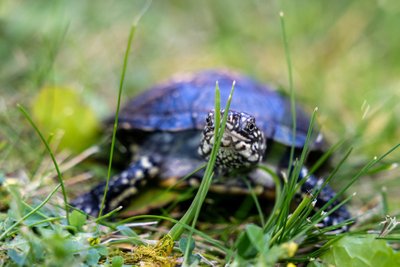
x=250, y=126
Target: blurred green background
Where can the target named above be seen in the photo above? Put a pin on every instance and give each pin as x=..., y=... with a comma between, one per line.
x=345, y=56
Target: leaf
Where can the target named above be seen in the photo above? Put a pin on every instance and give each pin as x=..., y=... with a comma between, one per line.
x=273, y=255
x=58, y=109
x=150, y=198
x=93, y=257
x=183, y=242
x=18, y=259
x=360, y=251
x=125, y=230
x=256, y=236
x=77, y=219
x=244, y=247
x=102, y=250
x=193, y=258
x=117, y=261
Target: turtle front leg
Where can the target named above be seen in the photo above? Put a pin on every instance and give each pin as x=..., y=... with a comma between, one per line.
x=121, y=187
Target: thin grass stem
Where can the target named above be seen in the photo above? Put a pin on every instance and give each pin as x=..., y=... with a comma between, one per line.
x=291, y=88
x=53, y=158
x=363, y=171
x=256, y=202
x=121, y=85
x=194, y=208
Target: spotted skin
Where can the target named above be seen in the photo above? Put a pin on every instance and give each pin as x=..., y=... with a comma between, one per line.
x=121, y=187
x=242, y=145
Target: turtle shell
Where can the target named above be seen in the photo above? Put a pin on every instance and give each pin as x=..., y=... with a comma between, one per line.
x=183, y=103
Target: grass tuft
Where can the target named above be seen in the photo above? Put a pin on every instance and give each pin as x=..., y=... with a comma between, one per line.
x=59, y=175
x=194, y=209
x=32, y=212
x=35, y=233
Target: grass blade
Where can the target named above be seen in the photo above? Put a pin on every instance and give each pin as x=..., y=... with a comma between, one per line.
x=53, y=158
x=209, y=173
x=291, y=89
x=121, y=85
x=33, y=211
x=194, y=208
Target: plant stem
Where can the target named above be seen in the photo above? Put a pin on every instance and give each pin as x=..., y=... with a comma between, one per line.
x=194, y=209
x=53, y=158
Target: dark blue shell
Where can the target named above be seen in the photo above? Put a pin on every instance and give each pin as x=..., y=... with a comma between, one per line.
x=183, y=103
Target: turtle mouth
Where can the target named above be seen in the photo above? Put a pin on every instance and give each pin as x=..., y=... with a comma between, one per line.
x=229, y=139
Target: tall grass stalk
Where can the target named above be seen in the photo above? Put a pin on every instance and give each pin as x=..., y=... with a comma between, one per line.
x=209, y=173
x=291, y=87
x=121, y=85
x=53, y=158
x=194, y=209
x=285, y=212
x=284, y=225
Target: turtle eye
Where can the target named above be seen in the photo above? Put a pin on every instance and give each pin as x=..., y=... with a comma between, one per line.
x=209, y=121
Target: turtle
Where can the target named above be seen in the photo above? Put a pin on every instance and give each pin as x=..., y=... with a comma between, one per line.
x=169, y=132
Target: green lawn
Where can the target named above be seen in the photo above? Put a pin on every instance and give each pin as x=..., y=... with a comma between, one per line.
x=345, y=61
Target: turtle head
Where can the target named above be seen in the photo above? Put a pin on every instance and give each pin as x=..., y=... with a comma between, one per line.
x=242, y=145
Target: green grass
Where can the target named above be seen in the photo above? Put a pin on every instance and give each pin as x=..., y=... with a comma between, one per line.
x=344, y=61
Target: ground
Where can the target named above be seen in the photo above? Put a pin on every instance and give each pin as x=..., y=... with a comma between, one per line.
x=344, y=55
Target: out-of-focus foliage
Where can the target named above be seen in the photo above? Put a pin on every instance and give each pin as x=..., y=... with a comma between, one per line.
x=344, y=56
x=345, y=53
x=358, y=251
x=60, y=110
x=345, y=59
